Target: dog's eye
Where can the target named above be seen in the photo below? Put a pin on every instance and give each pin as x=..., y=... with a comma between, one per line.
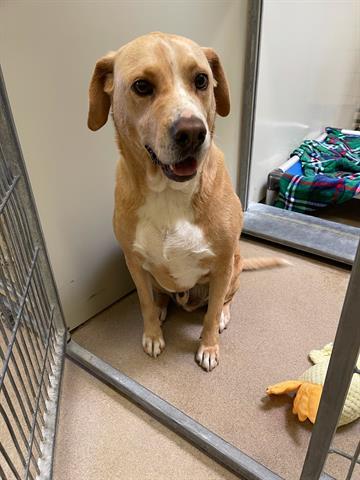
x=201, y=81
x=143, y=88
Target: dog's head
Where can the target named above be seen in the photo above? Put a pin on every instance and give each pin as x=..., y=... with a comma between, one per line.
x=164, y=91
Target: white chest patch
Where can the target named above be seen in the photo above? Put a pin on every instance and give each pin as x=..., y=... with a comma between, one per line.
x=166, y=236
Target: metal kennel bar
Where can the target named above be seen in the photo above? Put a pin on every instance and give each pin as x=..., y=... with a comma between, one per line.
x=341, y=369
x=32, y=329
x=251, y=65
x=210, y=443
x=310, y=234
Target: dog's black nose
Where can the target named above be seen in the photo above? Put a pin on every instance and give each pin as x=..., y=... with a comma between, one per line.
x=188, y=133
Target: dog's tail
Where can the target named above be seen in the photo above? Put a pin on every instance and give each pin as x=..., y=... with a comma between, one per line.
x=258, y=263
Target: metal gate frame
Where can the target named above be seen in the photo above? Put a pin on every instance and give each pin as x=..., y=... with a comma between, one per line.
x=341, y=367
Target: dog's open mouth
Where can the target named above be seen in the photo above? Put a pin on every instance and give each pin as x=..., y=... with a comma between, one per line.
x=179, y=172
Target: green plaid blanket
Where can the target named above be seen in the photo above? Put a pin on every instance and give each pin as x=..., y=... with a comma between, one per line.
x=331, y=173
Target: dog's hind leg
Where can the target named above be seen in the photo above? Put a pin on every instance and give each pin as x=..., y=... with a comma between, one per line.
x=224, y=318
x=233, y=288
x=162, y=301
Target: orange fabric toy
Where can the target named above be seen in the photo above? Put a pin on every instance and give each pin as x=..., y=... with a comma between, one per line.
x=309, y=389
x=307, y=399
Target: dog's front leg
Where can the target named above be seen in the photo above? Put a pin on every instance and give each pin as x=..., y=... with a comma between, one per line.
x=153, y=340
x=208, y=353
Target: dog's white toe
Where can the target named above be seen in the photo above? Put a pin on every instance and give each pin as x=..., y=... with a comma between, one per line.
x=224, y=319
x=208, y=357
x=163, y=314
x=153, y=346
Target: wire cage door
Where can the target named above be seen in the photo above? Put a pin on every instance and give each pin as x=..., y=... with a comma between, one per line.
x=32, y=329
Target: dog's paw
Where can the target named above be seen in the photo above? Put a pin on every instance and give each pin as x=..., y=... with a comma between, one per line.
x=224, y=319
x=153, y=345
x=208, y=357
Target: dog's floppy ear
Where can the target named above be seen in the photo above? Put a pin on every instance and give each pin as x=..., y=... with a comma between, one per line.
x=221, y=89
x=99, y=92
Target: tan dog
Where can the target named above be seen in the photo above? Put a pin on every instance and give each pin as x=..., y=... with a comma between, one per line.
x=176, y=215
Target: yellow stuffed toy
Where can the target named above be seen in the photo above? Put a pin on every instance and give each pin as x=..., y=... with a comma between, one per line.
x=309, y=389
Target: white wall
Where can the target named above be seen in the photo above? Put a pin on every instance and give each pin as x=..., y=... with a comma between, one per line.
x=48, y=50
x=309, y=78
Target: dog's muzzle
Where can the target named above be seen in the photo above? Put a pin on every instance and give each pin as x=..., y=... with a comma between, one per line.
x=188, y=135
x=180, y=171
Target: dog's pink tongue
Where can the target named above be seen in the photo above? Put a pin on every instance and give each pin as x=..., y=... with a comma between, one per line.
x=186, y=167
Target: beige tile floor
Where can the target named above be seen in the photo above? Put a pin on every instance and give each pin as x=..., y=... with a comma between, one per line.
x=102, y=436
x=278, y=316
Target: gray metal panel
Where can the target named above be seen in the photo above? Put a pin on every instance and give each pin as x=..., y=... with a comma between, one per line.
x=341, y=369
x=249, y=97
x=310, y=234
